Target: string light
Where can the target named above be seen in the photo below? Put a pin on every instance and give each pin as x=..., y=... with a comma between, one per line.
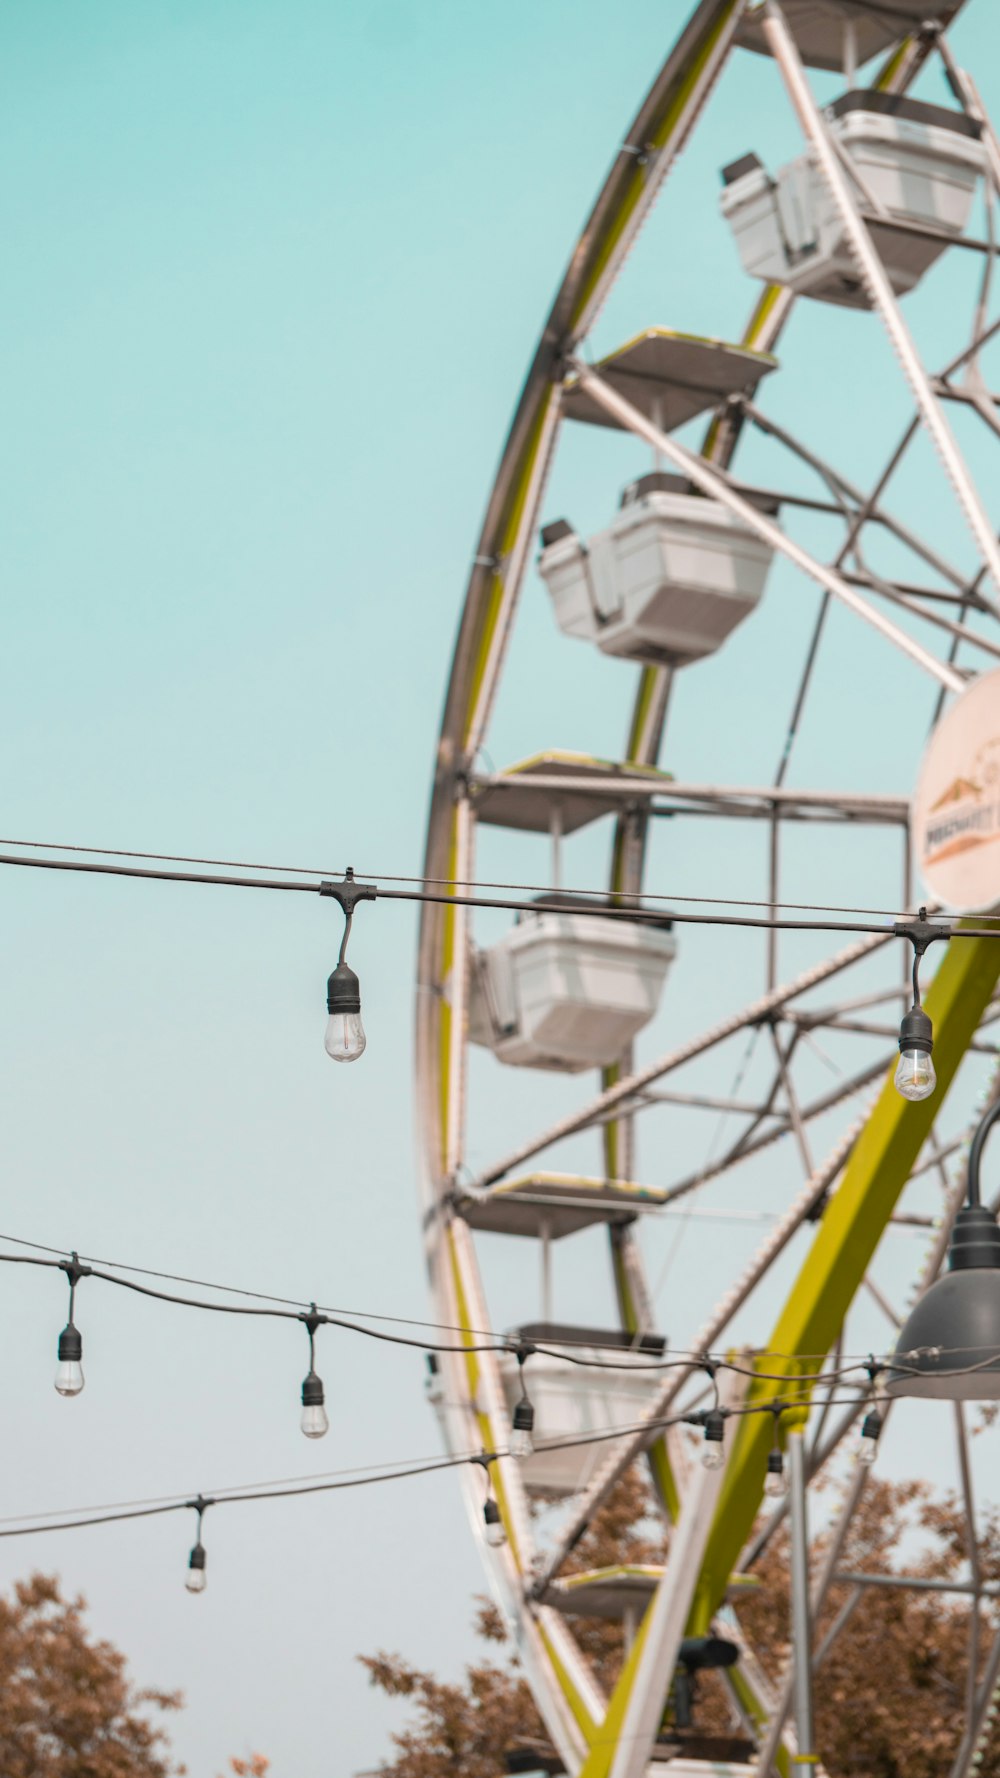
x=522, y=1444
x=915, y=1078
x=195, y=1579
x=345, y=1034
x=493, y=1528
x=69, y=1369
x=776, y=1484
x=492, y=1519
x=314, y=1421
x=867, y=1446
x=888, y=926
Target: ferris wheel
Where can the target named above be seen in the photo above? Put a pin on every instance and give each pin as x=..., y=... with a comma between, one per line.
x=887, y=193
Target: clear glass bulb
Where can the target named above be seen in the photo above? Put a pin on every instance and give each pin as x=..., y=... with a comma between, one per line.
x=915, y=1077
x=521, y=1443
x=195, y=1580
x=713, y=1454
x=69, y=1376
x=314, y=1420
x=866, y=1450
x=774, y=1487
x=495, y=1534
x=345, y=1036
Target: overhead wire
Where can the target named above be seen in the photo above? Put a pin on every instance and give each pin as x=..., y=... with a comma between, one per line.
x=87, y=1518
x=297, y=1307
x=622, y=904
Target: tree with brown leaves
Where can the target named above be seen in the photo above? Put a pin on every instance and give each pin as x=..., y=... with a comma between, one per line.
x=889, y=1695
x=68, y=1708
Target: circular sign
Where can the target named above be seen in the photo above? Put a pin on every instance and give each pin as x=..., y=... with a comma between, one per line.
x=956, y=808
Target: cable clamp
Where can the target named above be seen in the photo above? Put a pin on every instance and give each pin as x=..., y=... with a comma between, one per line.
x=921, y=932
x=349, y=892
x=74, y=1270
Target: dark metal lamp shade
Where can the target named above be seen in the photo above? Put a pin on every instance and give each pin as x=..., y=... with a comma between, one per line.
x=949, y=1348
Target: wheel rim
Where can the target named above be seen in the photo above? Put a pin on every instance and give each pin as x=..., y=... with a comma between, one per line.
x=475, y=1412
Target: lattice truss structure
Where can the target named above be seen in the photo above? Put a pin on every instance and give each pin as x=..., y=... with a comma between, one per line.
x=836, y=234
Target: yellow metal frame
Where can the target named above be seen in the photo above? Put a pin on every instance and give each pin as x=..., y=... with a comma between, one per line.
x=884, y=1154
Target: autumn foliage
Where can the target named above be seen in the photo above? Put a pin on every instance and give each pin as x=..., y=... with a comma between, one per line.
x=890, y=1693
x=68, y=1708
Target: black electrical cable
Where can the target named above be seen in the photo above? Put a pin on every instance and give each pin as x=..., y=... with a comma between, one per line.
x=463, y=882
x=651, y=1427
x=606, y=909
x=495, y=1343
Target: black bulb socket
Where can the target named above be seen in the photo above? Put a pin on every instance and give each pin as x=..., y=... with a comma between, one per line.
x=524, y=1416
x=871, y=1425
x=715, y=1428
x=343, y=990
x=197, y=1557
x=312, y=1391
x=70, y=1345
x=491, y=1512
x=916, y=1031
x=775, y=1463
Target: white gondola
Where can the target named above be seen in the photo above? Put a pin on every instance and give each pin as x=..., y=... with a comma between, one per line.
x=568, y=989
x=917, y=163
x=572, y=1401
x=666, y=583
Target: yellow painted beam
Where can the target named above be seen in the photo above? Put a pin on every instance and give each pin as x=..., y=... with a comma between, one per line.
x=848, y=1235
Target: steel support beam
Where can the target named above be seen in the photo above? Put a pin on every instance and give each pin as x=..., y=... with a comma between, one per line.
x=846, y=1239
x=623, y=1454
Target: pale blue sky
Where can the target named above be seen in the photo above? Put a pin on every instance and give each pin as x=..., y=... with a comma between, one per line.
x=272, y=278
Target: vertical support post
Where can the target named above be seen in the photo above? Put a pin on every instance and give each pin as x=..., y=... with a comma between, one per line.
x=556, y=832
x=850, y=53
x=545, y=1245
x=804, y=1757
x=772, y=936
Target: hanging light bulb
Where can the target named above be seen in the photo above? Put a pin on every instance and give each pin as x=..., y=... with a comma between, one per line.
x=522, y=1444
x=195, y=1578
x=345, y=1034
x=776, y=1484
x=69, y=1370
x=713, y=1454
x=915, y=1077
x=866, y=1449
x=314, y=1422
x=494, y=1533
